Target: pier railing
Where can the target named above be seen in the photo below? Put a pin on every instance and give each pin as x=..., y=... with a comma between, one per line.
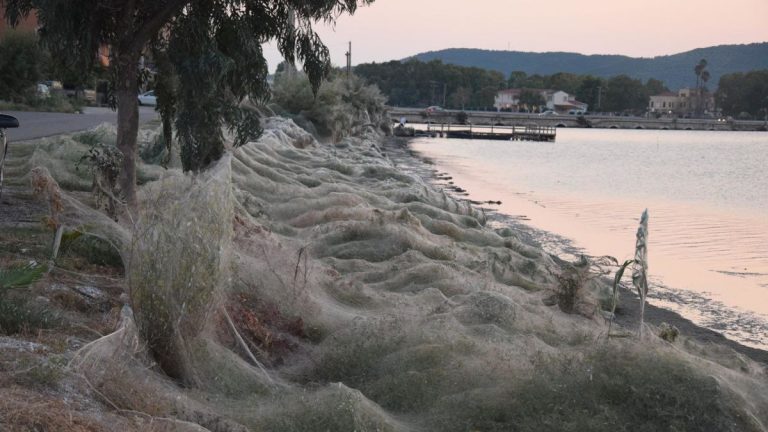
x=469, y=131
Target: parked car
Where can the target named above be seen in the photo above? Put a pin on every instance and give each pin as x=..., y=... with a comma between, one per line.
x=43, y=91
x=53, y=85
x=89, y=95
x=576, y=112
x=547, y=113
x=148, y=98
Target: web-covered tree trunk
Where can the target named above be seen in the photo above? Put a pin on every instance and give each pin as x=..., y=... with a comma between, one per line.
x=126, y=91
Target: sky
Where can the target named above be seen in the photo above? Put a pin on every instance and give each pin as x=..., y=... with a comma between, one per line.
x=395, y=29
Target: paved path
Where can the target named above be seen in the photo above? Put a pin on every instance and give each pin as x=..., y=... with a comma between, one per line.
x=33, y=125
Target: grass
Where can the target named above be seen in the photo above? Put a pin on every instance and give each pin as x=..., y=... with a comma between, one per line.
x=31, y=242
x=42, y=373
x=335, y=408
x=611, y=388
x=177, y=266
x=20, y=276
x=26, y=410
x=17, y=313
x=93, y=250
x=54, y=103
x=401, y=374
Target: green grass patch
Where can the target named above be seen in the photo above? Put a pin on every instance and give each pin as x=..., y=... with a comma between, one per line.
x=19, y=276
x=32, y=242
x=17, y=313
x=93, y=250
x=54, y=103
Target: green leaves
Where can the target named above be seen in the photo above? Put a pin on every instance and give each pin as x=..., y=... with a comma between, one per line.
x=20, y=276
x=21, y=64
x=744, y=94
x=209, y=53
x=214, y=54
x=617, y=283
x=17, y=313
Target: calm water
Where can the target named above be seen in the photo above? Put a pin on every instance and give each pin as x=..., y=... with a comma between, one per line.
x=706, y=193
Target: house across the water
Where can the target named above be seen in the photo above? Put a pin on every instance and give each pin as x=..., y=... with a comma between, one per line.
x=557, y=101
x=683, y=103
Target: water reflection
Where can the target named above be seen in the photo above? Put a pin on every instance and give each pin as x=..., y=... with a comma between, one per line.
x=706, y=194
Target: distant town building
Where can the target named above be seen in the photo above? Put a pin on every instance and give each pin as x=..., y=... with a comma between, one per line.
x=683, y=103
x=507, y=100
x=29, y=23
x=555, y=100
x=563, y=103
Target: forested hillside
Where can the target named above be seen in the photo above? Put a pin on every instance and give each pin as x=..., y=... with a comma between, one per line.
x=675, y=71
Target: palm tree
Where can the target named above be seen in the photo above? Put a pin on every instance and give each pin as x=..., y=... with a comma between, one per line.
x=699, y=69
x=702, y=76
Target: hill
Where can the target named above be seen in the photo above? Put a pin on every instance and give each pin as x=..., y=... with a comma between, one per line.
x=675, y=70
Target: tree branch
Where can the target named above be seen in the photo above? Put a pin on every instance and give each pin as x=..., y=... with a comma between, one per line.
x=154, y=24
x=126, y=13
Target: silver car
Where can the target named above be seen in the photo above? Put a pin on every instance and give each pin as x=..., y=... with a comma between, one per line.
x=148, y=98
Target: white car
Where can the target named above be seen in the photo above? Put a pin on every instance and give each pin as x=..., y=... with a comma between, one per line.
x=547, y=113
x=43, y=91
x=148, y=98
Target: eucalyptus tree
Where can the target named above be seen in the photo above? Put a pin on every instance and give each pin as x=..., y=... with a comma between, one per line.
x=212, y=49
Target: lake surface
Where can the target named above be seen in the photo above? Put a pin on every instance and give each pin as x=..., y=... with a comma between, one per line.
x=706, y=194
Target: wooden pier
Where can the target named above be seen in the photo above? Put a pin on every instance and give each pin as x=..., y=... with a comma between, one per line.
x=500, y=133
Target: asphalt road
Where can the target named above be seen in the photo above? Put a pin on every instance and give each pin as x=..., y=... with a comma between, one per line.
x=33, y=125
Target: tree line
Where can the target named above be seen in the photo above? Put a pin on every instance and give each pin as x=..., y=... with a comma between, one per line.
x=620, y=93
x=419, y=84
x=744, y=95
x=24, y=62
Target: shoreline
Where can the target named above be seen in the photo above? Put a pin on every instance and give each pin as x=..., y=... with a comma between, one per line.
x=373, y=299
x=628, y=309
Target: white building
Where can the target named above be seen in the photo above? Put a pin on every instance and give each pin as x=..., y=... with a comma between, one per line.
x=555, y=100
x=507, y=100
x=563, y=103
x=683, y=102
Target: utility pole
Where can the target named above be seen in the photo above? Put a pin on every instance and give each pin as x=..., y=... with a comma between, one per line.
x=599, y=97
x=349, y=61
x=765, y=109
x=432, y=85
x=445, y=91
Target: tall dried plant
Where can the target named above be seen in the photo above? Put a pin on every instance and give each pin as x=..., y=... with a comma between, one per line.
x=639, y=273
x=44, y=186
x=640, y=266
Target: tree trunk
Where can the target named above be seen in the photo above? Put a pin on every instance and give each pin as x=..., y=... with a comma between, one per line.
x=126, y=91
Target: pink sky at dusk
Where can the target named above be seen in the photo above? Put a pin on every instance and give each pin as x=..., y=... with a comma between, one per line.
x=394, y=29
